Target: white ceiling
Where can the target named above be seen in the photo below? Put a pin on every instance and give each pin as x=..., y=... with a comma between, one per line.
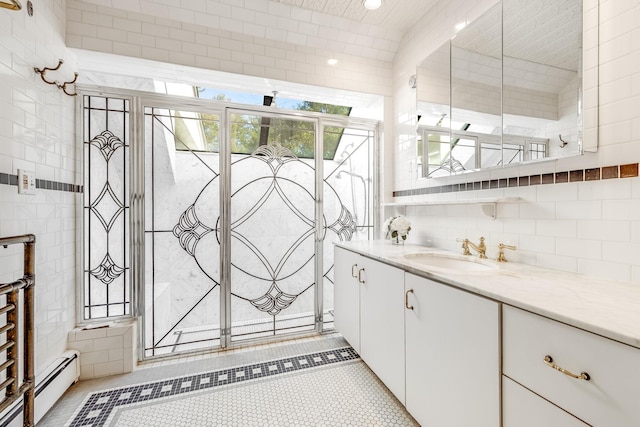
x=341, y=27
x=338, y=26
x=395, y=15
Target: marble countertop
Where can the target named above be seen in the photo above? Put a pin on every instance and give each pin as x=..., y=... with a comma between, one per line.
x=605, y=307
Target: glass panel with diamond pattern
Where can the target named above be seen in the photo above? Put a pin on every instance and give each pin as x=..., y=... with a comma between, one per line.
x=106, y=207
x=272, y=225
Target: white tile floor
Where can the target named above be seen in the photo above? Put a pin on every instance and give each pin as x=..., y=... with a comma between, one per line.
x=239, y=388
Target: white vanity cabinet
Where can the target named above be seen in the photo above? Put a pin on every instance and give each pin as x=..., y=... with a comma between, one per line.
x=470, y=350
x=346, y=296
x=452, y=355
x=369, y=297
x=610, y=396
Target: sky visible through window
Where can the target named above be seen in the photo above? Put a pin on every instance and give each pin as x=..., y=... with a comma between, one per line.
x=246, y=98
x=248, y=131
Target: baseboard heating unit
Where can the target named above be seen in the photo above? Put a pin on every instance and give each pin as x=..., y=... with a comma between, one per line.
x=50, y=386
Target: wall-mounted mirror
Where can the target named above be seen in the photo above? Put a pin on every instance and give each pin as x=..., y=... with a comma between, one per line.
x=434, y=113
x=515, y=89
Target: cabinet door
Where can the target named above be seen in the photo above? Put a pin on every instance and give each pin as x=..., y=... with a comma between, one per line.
x=452, y=356
x=382, y=323
x=522, y=408
x=346, y=296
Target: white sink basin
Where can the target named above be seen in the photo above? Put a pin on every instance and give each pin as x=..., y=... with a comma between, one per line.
x=461, y=264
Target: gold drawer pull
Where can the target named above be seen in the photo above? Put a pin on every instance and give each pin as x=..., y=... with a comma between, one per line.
x=583, y=375
x=406, y=300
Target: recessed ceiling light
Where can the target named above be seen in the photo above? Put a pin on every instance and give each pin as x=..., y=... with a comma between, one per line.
x=372, y=4
x=332, y=61
x=460, y=25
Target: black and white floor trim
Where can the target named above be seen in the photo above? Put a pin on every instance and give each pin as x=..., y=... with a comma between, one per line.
x=99, y=406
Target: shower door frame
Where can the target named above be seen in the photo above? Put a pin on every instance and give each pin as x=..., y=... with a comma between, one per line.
x=138, y=102
x=225, y=216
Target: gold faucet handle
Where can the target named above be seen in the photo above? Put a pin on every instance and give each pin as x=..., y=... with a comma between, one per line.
x=482, y=249
x=465, y=246
x=501, y=248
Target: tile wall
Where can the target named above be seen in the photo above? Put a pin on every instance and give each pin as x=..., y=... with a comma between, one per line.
x=37, y=134
x=293, y=49
x=590, y=226
x=105, y=351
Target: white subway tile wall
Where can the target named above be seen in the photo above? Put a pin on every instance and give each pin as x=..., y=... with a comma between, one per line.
x=105, y=351
x=37, y=134
x=287, y=44
x=589, y=227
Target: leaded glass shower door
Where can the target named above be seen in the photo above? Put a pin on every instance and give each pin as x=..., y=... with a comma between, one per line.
x=273, y=224
x=182, y=230
x=238, y=242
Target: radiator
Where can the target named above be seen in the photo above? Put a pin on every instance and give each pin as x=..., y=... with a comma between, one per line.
x=50, y=386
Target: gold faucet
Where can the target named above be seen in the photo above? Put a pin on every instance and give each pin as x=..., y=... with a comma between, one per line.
x=501, y=248
x=480, y=248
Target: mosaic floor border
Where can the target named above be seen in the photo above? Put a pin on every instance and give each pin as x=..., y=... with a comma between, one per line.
x=98, y=406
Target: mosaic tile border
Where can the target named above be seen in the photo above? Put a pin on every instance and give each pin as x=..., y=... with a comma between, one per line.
x=97, y=408
x=9, y=179
x=592, y=174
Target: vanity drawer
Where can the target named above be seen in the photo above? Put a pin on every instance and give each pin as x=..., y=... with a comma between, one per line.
x=611, y=395
x=522, y=408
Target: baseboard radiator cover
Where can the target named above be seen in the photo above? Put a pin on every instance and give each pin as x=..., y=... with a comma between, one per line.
x=50, y=386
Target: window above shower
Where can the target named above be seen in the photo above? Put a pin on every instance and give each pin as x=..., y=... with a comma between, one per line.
x=199, y=131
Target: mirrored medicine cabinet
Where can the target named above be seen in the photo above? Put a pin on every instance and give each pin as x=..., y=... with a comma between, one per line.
x=507, y=89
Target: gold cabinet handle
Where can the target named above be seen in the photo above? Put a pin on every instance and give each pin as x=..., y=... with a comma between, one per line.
x=548, y=360
x=406, y=300
x=360, y=276
x=353, y=268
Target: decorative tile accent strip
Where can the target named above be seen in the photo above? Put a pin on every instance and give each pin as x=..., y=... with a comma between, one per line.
x=562, y=177
x=610, y=172
x=577, y=175
x=593, y=174
x=629, y=171
x=9, y=179
x=98, y=406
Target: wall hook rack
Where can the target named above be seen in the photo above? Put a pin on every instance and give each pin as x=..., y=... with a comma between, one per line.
x=563, y=143
x=63, y=86
x=11, y=5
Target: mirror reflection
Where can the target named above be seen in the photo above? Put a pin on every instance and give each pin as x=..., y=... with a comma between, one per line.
x=506, y=89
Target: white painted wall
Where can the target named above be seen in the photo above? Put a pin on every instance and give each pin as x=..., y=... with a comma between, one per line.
x=37, y=133
x=587, y=227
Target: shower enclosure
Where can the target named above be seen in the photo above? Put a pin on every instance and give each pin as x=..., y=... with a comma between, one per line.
x=233, y=215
